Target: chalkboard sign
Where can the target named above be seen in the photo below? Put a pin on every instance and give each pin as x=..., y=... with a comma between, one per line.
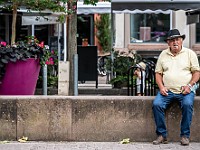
x=87, y=63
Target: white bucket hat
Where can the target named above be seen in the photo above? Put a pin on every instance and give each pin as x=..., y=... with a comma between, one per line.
x=141, y=65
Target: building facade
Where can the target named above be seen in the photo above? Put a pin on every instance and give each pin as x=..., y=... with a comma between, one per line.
x=145, y=28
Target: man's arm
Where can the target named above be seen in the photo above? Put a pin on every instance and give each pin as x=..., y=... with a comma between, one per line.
x=159, y=81
x=195, y=77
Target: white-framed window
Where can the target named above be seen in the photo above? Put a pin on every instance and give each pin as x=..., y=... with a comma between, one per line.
x=149, y=27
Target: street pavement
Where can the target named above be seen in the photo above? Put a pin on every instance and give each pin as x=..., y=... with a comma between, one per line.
x=30, y=145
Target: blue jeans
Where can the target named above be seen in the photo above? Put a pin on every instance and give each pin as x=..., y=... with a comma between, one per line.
x=160, y=104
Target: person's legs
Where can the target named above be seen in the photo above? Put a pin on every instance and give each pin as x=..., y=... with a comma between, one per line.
x=186, y=103
x=160, y=104
x=138, y=90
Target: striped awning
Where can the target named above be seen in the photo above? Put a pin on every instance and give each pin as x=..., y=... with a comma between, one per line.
x=131, y=5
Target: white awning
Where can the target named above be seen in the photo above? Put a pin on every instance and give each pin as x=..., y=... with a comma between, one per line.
x=51, y=18
x=39, y=20
x=148, y=11
x=99, y=8
x=131, y=5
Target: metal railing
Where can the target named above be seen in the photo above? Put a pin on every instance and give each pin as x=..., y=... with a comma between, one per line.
x=150, y=86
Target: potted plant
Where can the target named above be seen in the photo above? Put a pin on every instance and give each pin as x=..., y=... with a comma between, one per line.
x=121, y=63
x=20, y=66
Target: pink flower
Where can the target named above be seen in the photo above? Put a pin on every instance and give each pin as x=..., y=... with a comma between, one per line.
x=41, y=44
x=3, y=43
x=50, y=61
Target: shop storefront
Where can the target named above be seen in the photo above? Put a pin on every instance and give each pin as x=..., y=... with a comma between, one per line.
x=142, y=25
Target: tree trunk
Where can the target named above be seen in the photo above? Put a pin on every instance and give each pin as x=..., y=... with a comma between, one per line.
x=72, y=48
x=14, y=19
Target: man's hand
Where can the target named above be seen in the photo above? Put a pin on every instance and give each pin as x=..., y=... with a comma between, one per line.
x=185, y=89
x=164, y=91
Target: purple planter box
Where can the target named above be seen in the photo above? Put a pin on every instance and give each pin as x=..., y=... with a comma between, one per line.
x=20, y=78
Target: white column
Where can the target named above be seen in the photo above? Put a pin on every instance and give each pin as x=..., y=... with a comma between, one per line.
x=119, y=30
x=180, y=23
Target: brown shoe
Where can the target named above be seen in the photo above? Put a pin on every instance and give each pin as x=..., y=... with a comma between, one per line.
x=185, y=141
x=160, y=140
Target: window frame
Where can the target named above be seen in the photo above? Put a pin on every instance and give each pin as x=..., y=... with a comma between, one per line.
x=170, y=12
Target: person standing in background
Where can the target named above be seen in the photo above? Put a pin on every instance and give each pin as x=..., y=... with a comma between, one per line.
x=140, y=78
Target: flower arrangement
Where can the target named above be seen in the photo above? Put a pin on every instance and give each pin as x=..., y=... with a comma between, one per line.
x=52, y=58
x=23, y=50
x=52, y=71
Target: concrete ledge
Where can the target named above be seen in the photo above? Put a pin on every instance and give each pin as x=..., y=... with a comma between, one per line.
x=87, y=118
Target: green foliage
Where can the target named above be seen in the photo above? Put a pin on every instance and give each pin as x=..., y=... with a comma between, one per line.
x=122, y=62
x=93, y=2
x=52, y=72
x=52, y=81
x=104, y=32
x=119, y=79
x=38, y=5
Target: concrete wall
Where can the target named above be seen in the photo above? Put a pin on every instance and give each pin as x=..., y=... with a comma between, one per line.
x=87, y=118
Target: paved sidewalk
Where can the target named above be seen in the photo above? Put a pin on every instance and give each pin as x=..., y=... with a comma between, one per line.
x=102, y=83
x=95, y=146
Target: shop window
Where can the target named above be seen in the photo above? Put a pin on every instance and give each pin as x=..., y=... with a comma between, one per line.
x=85, y=29
x=149, y=27
x=198, y=33
x=41, y=31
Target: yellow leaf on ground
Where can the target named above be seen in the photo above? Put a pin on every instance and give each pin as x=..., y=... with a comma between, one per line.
x=125, y=141
x=4, y=142
x=23, y=139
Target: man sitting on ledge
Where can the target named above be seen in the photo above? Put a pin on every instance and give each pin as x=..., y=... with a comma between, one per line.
x=177, y=74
